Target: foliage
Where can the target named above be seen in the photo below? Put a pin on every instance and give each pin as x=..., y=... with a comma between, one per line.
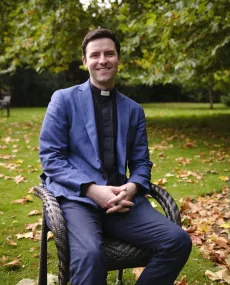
x=181, y=42
x=45, y=35
x=226, y=100
x=185, y=42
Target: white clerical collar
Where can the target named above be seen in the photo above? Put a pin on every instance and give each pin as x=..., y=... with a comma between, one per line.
x=105, y=92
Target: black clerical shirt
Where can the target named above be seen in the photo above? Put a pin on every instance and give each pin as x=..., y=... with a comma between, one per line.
x=106, y=122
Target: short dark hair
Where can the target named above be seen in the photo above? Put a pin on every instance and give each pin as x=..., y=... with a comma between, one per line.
x=100, y=34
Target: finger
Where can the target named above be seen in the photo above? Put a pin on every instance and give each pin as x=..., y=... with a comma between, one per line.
x=123, y=210
x=118, y=198
x=117, y=210
x=114, y=209
x=126, y=203
x=118, y=189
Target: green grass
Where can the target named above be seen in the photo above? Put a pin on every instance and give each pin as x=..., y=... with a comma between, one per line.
x=170, y=127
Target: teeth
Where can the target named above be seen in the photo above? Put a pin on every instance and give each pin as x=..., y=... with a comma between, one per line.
x=105, y=68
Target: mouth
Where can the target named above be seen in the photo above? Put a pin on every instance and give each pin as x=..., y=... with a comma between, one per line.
x=104, y=69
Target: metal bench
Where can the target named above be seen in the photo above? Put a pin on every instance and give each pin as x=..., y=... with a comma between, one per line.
x=119, y=255
x=5, y=103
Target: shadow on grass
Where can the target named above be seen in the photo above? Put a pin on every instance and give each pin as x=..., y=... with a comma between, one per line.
x=216, y=124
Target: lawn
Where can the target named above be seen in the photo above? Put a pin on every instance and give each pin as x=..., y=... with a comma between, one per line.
x=189, y=146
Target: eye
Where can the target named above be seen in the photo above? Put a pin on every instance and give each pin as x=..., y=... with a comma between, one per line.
x=93, y=55
x=110, y=53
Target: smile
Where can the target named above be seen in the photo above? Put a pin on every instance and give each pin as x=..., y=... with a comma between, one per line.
x=104, y=69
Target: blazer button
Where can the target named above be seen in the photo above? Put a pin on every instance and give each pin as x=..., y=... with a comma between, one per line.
x=104, y=176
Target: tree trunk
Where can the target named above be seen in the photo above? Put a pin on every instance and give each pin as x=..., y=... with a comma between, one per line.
x=210, y=97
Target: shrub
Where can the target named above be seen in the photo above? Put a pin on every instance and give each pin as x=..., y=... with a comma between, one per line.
x=226, y=100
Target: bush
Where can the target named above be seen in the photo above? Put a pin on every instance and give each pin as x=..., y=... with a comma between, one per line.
x=226, y=100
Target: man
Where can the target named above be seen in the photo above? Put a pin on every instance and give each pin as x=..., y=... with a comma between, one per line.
x=90, y=134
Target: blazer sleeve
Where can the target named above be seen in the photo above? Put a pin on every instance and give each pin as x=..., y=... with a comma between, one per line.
x=53, y=147
x=138, y=160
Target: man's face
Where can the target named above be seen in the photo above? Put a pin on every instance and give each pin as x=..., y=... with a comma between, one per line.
x=102, y=62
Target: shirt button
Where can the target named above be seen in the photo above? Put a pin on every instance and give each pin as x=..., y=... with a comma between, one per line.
x=104, y=176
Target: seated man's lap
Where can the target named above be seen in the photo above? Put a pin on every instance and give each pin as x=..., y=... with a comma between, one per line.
x=142, y=226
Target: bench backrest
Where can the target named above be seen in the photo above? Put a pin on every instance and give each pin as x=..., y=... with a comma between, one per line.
x=6, y=99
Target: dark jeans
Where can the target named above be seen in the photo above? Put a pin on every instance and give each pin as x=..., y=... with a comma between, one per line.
x=142, y=226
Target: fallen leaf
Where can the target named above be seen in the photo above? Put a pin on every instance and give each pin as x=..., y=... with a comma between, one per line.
x=19, y=179
x=32, y=227
x=154, y=205
x=34, y=213
x=222, y=275
x=21, y=201
x=183, y=281
x=161, y=181
x=225, y=226
x=26, y=235
x=137, y=272
x=11, y=242
x=13, y=264
x=50, y=235
x=224, y=178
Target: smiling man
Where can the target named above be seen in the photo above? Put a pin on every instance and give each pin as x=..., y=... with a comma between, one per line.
x=91, y=133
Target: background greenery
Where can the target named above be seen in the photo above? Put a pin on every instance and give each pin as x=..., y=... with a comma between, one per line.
x=184, y=43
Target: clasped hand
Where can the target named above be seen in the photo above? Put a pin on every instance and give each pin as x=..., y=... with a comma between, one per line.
x=113, y=198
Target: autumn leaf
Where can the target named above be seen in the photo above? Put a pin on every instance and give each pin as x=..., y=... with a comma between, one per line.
x=206, y=221
x=222, y=275
x=154, y=205
x=34, y=213
x=183, y=281
x=161, y=181
x=31, y=190
x=32, y=227
x=11, y=242
x=169, y=175
x=26, y=235
x=50, y=235
x=19, y=179
x=23, y=200
x=13, y=264
x=137, y=272
x=224, y=178
x=183, y=160
x=225, y=226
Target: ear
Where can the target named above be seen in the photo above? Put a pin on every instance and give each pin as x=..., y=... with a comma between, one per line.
x=84, y=61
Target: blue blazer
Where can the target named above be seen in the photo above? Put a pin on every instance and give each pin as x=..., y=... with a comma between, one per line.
x=69, y=150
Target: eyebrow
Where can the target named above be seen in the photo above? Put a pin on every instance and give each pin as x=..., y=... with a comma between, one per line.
x=106, y=51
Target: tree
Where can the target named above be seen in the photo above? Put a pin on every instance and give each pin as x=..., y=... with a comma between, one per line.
x=184, y=42
x=43, y=34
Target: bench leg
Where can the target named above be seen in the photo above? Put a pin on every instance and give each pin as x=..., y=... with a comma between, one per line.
x=42, y=278
x=119, y=277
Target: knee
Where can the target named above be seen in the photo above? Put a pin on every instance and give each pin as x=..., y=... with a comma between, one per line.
x=182, y=241
x=88, y=256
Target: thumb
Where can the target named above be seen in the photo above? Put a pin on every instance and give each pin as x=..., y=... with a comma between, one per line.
x=116, y=190
x=123, y=188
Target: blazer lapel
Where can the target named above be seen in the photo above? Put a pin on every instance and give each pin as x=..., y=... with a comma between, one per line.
x=122, y=129
x=88, y=113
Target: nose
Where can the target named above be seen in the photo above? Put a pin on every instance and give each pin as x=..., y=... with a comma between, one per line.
x=102, y=59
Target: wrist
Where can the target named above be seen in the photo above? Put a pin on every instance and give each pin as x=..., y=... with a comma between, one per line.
x=89, y=188
x=132, y=187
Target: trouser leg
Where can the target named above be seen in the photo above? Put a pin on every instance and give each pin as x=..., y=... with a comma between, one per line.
x=84, y=227
x=145, y=227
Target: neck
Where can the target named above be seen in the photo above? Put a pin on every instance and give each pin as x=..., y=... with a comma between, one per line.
x=106, y=86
